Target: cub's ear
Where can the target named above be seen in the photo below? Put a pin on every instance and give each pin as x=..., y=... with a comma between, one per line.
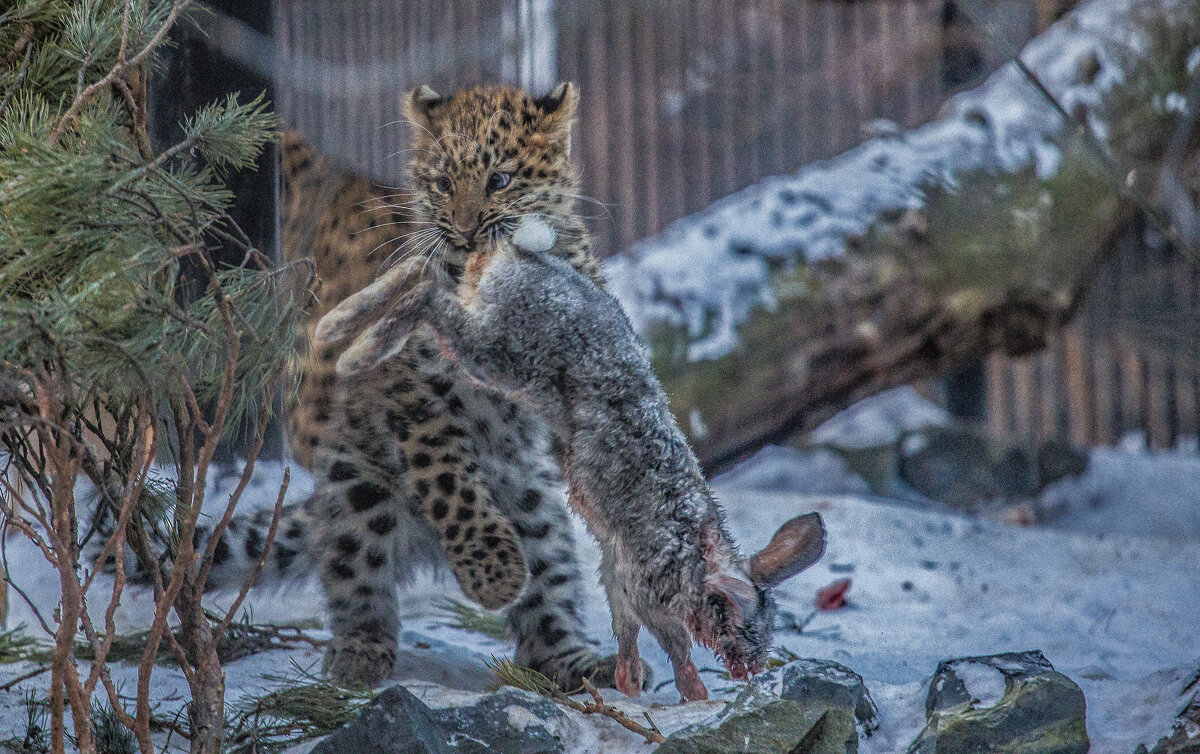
x=558, y=108
x=355, y=311
x=562, y=101
x=419, y=105
x=798, y=544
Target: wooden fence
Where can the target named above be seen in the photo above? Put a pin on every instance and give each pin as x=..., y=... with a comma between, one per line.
x=682, y=102
x=1129, y=364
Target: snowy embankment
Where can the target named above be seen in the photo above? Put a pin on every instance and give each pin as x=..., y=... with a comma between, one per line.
x=708, y=271
x=1116, y=613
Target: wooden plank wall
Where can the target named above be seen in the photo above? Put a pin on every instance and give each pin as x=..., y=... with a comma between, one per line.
x=1129, y=365
x=686, y=102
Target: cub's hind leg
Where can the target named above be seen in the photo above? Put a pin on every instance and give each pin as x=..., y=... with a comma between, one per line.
x=359, y=504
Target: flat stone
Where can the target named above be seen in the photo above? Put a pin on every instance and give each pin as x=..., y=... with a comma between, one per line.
x=1013, y=703
x=759, y=723
x=832, y=684
x=510, y=721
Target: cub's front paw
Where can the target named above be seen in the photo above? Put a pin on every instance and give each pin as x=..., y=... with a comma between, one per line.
x=359, y=659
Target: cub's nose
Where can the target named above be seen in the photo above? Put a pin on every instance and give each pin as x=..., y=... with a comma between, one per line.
x=467, y=231
x=466, y=222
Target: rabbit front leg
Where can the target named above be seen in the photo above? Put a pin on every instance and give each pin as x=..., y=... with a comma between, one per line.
x=677, y=643
x=383, y=339
x=626, y=626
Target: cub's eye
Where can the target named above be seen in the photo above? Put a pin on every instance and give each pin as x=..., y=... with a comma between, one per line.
x=497, y=181
x=442, y=184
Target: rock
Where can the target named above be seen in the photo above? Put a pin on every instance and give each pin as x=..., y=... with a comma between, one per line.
x=508, y=721
x=834, y=685
x=966, y=467
x=1185, y=733
x=395, y=722
x=759, y=723
x=1013, y=703
x=1181, y=741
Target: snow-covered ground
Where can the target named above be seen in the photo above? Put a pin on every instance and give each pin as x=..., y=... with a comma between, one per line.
x=1117, y=612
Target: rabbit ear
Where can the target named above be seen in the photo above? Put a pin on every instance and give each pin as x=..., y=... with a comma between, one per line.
x=355, y=311
x=798, y=544
x=377, y=344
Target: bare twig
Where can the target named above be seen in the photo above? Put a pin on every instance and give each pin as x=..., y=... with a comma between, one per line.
x=262, y=559
x=22, y=678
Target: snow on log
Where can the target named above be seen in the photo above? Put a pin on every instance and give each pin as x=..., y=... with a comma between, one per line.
x=765, y=311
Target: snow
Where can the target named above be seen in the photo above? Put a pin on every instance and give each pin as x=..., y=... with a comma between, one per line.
x=984, y=682
x=879, y=420
x=1116, y=612
x=707, y=272
x=776, y=469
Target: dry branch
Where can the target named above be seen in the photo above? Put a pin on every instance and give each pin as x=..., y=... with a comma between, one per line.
x=528, y=679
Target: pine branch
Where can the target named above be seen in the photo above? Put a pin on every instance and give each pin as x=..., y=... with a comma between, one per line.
x=17, y=81
x=117, y=70
x=527, y=679
x=469, y=618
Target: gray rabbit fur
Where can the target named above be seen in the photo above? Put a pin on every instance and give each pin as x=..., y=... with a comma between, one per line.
x=538, y=330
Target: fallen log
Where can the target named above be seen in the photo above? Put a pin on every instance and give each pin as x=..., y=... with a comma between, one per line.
x=912, y=255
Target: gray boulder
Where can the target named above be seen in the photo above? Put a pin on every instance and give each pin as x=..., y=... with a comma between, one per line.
x=1185, y=733
x=508, y=721
x=759, y=723
x=1013, y=703
x=966, y=467
x=832, y=684
x=395, y=722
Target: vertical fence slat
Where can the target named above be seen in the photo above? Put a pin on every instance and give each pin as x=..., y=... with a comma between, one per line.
x=1105, y=406
x=1078, y=388
x=999, y=400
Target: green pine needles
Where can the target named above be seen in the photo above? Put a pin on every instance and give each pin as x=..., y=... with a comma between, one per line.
x=107, y=248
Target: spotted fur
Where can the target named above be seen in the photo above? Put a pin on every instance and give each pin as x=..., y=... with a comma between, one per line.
x=415, y=462
x=538, y=329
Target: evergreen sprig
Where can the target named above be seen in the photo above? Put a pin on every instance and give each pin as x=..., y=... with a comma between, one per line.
x=108, y=255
